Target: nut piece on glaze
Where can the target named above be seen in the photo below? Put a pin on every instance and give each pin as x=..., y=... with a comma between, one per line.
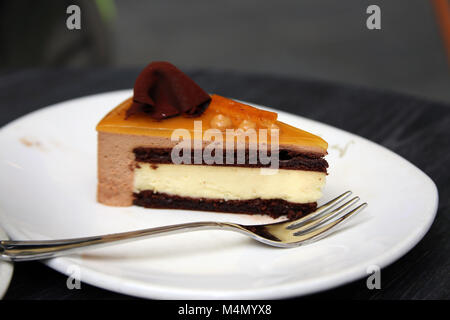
x=247, y=124
x=221, y=122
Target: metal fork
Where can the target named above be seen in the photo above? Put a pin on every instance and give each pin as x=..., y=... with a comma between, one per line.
x=285, y=234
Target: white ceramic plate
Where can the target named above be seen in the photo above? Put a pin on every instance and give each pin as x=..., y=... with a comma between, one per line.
x=48, y=191
x=6, y=270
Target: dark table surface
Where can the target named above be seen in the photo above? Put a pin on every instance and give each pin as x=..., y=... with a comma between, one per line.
x=418, y=130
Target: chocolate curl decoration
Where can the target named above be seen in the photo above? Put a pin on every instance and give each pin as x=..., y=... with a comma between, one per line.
x=163, y=91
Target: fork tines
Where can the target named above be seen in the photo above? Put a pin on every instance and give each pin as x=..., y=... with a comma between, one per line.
x=327, y=213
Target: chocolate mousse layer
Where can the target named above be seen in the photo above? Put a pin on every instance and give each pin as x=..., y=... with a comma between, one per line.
x=272, y=207
x=288, y=159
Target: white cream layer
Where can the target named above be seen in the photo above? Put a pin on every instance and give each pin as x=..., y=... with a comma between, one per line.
x=229, y=183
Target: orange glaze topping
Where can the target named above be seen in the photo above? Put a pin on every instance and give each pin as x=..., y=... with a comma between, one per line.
x=222, y=113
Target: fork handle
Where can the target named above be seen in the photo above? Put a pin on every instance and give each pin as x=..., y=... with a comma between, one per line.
x=37, y=250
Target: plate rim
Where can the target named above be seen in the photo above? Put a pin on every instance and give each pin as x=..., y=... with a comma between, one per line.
x=110, y=282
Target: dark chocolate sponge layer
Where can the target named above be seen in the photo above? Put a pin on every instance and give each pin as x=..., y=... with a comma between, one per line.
x=273, y=207
x=287, y=159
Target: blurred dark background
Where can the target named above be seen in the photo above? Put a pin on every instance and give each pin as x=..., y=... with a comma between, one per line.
x=325, y=39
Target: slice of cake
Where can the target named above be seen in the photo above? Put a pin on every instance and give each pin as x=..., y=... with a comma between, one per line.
x=174, y=146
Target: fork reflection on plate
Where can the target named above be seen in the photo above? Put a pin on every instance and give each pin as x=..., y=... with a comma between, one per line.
x=285, y=234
